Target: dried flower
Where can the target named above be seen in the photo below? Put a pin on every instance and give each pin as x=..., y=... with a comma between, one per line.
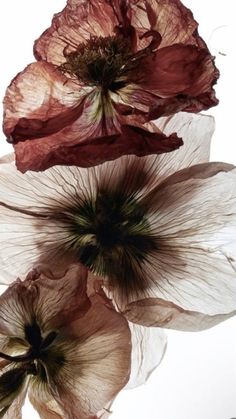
x=70, y=352
x=104, y=70
x=157, y=231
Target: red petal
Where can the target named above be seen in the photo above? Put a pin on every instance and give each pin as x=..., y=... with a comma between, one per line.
x=39, y=154
x=74, y=25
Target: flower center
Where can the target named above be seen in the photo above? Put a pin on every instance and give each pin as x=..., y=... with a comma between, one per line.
x=100, y=61
x=112, y=236
x=40, y=354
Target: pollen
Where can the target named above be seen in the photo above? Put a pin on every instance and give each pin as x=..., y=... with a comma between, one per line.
x=102, y=61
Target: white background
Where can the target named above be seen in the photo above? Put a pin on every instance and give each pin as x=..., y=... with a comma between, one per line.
x=197, y=379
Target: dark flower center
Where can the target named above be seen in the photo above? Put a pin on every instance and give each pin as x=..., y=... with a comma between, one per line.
x=39, y=354
x=100, y=61
x=112, y=236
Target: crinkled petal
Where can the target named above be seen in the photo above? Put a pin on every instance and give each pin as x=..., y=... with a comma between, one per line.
x=27, y=240
x=98, y=365
x=195, y=218
x=170, y=18
x=54, y=301
x=156, y=312
x=148, y=348
x=41, y=154
x=40, y=101
x=176, y=69
x=77, y=22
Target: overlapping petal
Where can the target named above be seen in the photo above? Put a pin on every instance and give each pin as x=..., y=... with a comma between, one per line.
x=182, y=219
x=62, y=110
x=91, y=349
x=27, y=240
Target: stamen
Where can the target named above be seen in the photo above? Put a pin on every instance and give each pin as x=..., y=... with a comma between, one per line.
x=100, y=61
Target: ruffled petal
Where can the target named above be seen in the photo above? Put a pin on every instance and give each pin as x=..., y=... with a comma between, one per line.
x=170, y=18
x=98, y=365
x=148, y=348
x=79, y=21
x=41, y=154
x=54, y=301
x=195, y=220
x=182, y=77
x=40, y=101
x=156, y=312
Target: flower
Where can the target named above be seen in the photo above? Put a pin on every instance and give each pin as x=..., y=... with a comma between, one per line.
x=104, y=70
x=157, y=232
x=70, y=352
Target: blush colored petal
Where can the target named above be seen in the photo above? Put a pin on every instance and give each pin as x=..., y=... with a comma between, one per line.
x=160, y=313
x=40, y=101
x=45, y=405
x=55, y=301
x=170, y=18
x=148, y=349
x=79, y=21
x=195, y=217
x=98, y=367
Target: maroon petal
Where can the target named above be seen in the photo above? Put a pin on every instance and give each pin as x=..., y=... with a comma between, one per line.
x=39, y=154
x=180, y=69
x=77, y=23
x=40, y=101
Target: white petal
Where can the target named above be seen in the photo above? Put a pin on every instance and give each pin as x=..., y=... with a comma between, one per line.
x=195, y=221
x=160, y=313
x=148, y=348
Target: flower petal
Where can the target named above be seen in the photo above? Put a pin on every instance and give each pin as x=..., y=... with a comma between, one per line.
x=160, y=313
x=77, y=22
x=170, y=18
x=98, y=367
x=195, y=218
x=39, y=101
x=41, y=154
x=148, y=348
x=54, y=301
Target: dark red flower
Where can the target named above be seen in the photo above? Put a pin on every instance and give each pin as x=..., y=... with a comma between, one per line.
x=105, y=69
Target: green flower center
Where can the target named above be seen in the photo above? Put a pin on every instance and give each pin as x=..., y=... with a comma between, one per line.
x=100, y=61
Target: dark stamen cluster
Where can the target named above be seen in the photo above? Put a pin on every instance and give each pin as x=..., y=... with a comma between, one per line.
x=32, y=362
x=112, y=236
x=100, y=61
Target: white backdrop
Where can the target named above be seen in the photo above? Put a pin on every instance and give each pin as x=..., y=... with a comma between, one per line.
x=197, y=379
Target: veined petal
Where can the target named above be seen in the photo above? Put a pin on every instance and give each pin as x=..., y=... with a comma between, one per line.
x=170, y=18
x=148, y=349
x=176, y=69
x=77, y=22
x=104, y=144
x=54, y=301
x=156, y=312
x=98, y=365
x=40, y=101
x=195, y=219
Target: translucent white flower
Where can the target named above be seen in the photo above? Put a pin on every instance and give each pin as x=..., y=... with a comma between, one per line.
x=158, y=231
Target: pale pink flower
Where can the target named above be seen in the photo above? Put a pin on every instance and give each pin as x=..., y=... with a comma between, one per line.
x=158, y=232
x=70, y=352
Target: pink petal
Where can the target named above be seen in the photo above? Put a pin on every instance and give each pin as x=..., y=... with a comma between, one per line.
x=100, y=361
x=160, y=313
x=41, y=154
x=40, y=101
x=54, y=301
x=73, y=26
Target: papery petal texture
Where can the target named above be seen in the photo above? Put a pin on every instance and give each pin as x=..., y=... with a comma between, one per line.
x=74, y=359
x=148, y=228
x=104, y=70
